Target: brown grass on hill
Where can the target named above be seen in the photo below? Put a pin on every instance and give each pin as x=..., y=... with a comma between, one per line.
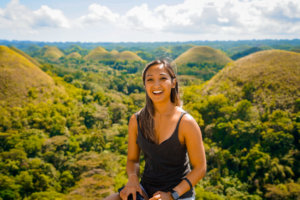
x=202, y=54
x=52, y=53
x=100, y=53
x=75, y=55
x=21, y=79
x=273, y=77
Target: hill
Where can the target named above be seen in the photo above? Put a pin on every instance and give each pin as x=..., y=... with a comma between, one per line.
x=201, y=61
x=246, y=52
x=21, y=78
x=202, y=54
x=100, y=53
x=75, y=55
x=269, y=79
x=51, y=52
x=128, y=55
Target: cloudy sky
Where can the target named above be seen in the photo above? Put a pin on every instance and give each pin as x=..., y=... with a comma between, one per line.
x=148, y=20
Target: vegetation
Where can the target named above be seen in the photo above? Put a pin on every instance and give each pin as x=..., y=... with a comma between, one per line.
x=63, y=129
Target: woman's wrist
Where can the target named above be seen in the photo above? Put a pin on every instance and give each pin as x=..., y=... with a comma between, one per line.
x=133, y=178
x=133, y=174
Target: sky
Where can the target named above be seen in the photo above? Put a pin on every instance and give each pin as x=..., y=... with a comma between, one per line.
x=148, y=20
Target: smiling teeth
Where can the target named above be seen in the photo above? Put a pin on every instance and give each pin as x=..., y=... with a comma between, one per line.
x=157, y=92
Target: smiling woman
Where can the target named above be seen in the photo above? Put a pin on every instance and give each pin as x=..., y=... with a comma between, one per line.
x=169, y=138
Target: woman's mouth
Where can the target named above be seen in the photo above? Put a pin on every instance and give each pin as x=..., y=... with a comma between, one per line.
x=157, y=92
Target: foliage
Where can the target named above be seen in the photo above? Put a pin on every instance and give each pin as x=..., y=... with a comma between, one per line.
x=69, y=141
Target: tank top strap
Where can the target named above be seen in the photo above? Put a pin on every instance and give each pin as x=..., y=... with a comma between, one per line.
x=176, y=129
x=137, y=120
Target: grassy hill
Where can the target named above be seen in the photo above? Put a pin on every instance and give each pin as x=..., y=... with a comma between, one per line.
x=51, y=52
x=202, y=54
x=20, y=78
x=246, y=52
x=201, y=61
x=267, y=78
x=100, y=53
x=75, y=55
x=128, y=55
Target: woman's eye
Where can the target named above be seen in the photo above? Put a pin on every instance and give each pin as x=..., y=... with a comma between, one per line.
x=150, y=79
x=163, y=78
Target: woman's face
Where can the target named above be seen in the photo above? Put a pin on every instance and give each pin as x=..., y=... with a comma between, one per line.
x=158, y=83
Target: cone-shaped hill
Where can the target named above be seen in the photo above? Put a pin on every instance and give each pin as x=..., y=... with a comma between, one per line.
x=128, y=55
x=202, y=54
x=201, y=61
x=20, y=78
x=51, y=52
x=75, y=55
x=100, y=53
x=267, y=78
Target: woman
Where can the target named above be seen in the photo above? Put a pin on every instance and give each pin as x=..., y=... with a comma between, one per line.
x=169, y=138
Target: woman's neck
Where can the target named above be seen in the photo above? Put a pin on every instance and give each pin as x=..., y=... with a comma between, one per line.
x=164, y=109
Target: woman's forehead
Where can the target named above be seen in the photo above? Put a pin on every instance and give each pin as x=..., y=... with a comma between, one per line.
x=157, y=69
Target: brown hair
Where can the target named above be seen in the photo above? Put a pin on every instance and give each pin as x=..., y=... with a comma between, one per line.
x=146, y=115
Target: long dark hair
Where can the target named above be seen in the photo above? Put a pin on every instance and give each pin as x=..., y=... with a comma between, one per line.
x=146, y=115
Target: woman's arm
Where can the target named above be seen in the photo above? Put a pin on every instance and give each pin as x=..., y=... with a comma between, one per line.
x=193, y=140
x=133, y=155
x=132, y=166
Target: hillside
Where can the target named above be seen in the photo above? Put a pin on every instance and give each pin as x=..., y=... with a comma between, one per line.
x=246, y=52
x=201, y=61
x=267, y=78
x=100, y=53
x=128, y=55
x=21, y=78
x=75, y=55
x=51, y=52
x=202, y=54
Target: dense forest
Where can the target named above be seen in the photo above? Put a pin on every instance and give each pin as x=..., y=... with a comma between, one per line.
x=65, y=109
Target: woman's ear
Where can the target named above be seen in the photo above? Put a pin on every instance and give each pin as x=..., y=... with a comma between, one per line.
x=174, y=82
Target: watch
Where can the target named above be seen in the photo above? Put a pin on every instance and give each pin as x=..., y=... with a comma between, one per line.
x=174, y=194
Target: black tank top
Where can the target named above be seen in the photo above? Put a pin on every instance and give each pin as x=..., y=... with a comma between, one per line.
x=165, y=164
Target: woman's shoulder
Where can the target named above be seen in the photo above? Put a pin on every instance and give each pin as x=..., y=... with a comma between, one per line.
x=188, y=122
x=133, y=120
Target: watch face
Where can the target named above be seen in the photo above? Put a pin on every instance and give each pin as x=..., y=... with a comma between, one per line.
x=175, y=195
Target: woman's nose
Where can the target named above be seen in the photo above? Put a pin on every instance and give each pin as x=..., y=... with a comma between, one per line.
x=156, y=83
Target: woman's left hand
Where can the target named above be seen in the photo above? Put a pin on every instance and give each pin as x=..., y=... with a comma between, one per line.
x=159, y=195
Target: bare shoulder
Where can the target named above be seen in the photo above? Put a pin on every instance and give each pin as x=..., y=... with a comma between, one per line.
x=132, y=123
x=189, y=126
x=189, y=121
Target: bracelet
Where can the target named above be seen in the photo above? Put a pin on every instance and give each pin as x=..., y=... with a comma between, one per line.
x=188, y=181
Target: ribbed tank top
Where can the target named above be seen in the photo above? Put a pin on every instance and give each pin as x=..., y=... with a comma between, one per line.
x=165, y=164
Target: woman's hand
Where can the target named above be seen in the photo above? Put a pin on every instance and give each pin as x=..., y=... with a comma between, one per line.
x=159, y=195
x=132, y=187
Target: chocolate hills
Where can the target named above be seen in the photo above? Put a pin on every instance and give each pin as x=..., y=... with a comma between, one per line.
x=51, y=52
x=100, y=53
x=202, y=54
x=201, y=61
x=74, y=55
x=270, y=79
x=21, y=78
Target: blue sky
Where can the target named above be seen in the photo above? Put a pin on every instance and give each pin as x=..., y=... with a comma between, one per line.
x=148, y=21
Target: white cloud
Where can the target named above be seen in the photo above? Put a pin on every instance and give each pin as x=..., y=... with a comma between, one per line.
x=18, y=17
x=219, y=16
x=48, y=17
x=99, y=13
x=199, y=19
x=141, y=18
